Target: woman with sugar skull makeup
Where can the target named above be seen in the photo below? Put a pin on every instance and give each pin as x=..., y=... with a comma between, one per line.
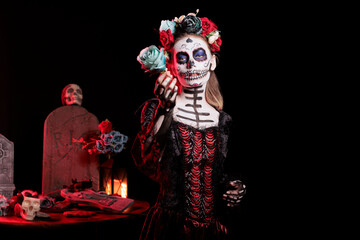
x=184, y=133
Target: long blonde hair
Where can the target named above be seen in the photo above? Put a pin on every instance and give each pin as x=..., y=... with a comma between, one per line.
x=212, y=92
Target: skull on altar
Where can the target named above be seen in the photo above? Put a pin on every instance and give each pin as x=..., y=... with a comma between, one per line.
x=71, y=95
x=30, y=205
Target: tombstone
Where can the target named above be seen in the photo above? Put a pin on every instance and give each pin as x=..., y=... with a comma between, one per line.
x=7, y=186
x=63, y=159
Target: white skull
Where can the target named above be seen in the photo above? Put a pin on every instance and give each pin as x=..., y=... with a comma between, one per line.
x=72, y=94
x=193, y=60
x=30, y=207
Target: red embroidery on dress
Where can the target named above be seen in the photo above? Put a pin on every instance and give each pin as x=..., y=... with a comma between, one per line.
x=209, y=198
x=199, y=153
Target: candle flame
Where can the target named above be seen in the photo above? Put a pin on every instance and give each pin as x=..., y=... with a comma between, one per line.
x=108, y=188
x=120, y=188
x=123, y=190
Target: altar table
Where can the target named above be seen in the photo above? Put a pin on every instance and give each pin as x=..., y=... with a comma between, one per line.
x=102, y=224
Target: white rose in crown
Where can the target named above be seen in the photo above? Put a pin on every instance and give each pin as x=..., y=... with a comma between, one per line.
x=213, y=37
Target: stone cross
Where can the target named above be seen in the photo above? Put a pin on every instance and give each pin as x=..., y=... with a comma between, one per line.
x=7, y=186
x=63, y=159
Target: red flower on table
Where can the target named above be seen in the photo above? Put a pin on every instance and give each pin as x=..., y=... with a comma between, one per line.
x=105, y=126
x=107, y=142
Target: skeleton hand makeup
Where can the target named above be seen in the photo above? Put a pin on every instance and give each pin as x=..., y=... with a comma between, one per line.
x=233, y=196
x=72, y=94
x=166, y=90
x=193, y=61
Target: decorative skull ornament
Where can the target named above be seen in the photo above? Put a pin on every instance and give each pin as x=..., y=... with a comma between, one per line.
x=194, y=61
x=72, y=95
x=30, y=205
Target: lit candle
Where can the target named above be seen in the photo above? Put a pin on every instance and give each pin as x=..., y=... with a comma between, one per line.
x=108, y=188
x=123, y=190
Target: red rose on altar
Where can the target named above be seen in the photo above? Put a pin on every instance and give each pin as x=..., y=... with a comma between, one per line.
x=166, y=39
x=105, y=126
x=208, y=26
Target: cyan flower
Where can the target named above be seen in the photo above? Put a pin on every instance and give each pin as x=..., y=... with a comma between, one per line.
x=166, y=24
x=152, y=59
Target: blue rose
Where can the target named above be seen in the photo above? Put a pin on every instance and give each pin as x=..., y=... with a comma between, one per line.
x=118, y=138
x=108, y=149
x=99, y=146
x=152, y=59
x=118, y=148
x=106, y=138
x=114, y=133
x=125, y=139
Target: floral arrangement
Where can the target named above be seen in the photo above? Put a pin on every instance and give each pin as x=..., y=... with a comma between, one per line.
x=153, y=59
x=107, y=142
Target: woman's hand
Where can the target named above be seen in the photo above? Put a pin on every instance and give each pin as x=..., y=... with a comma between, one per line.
x=233, y=197
x=166, y=90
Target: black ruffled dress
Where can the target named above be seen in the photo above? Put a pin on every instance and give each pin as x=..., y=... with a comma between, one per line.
x=188, y=163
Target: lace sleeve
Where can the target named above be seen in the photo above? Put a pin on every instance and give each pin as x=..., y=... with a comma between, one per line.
x=231, y=170
x=146, y=149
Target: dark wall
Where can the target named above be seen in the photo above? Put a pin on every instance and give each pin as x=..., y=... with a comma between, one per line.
x=46, y=45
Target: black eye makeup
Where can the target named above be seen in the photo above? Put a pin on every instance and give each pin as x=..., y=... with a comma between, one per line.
x=199, y=54
x=182, y=57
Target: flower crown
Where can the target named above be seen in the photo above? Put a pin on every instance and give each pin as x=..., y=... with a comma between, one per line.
x=190, y=24
x=153, y=59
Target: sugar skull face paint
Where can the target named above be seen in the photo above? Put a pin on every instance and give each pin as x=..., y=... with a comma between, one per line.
x=193, y=58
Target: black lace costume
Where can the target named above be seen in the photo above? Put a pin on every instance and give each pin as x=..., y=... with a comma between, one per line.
x=188, y=163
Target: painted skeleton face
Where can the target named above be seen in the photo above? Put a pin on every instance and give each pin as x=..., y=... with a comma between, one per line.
x=72, y=94
x=193, y=61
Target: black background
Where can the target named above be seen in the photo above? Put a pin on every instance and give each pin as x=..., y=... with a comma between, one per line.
x=46, y=45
